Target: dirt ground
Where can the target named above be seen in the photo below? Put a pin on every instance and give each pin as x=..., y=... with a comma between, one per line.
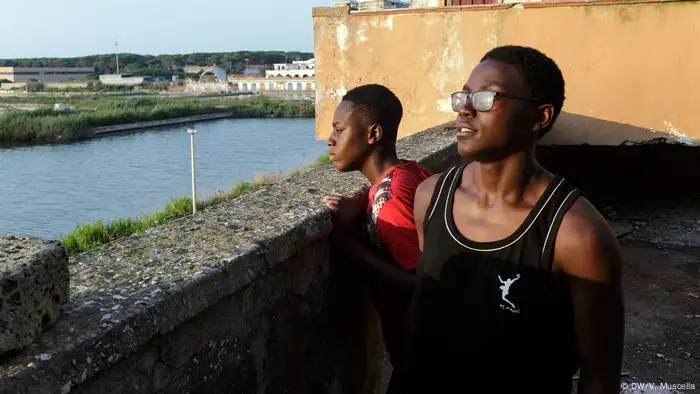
x=662, y=339
x=661, y=249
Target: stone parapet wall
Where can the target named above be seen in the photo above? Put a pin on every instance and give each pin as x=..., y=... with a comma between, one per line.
x=33, y=289
x=243, y=297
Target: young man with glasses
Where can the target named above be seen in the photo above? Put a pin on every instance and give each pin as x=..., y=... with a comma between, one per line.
x=365, y=128
x=519, y=275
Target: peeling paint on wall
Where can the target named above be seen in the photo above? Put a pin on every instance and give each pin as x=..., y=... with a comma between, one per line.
x=387, y=23
x=675, y=134
x=491, y=21
x=450, y=65
x=339, y=93
x=342, y=36
x=444, y=105
x=361, y=29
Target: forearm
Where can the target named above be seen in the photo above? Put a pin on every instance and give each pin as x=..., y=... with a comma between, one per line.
x=601, y=338
x=406, y=372
x=379, y=266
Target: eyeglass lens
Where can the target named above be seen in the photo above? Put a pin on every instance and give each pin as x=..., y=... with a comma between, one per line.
x=481, y=101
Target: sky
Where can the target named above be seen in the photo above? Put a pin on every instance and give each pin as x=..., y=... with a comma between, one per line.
x=69, y=28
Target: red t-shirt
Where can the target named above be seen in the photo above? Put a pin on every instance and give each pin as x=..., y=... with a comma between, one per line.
x=389, y=220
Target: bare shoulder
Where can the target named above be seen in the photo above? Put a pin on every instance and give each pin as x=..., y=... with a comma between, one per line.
x=428, y=184
x=424, y=194
x=425, y=190
x=586, y=246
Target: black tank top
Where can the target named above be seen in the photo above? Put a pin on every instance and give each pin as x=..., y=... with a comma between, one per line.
x=493, y=316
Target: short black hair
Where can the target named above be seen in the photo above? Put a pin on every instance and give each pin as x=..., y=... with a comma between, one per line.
x=541, y=74
x=377, y=104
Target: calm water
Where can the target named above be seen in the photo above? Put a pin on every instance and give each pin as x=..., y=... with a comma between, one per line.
x=48, y=190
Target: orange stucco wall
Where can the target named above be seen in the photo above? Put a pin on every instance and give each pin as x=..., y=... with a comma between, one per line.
x=632, y=70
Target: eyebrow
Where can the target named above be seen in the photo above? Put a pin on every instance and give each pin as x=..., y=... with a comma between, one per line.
x=337, y=122
x=485, y=86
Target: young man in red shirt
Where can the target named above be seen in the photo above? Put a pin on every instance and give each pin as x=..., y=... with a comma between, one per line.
x=365, y=127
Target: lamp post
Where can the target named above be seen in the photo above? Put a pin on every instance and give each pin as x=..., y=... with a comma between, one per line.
x=192, y=132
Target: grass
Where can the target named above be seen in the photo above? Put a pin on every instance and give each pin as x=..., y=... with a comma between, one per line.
x=89, y=236
x=49, y=125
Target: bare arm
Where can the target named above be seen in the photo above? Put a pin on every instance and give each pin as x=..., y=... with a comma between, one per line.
x=378, y=264
x=587, y=250
x=424, y=193
x=407, y=370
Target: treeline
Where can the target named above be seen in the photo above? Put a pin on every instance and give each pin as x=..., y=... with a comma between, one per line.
x=163, y=65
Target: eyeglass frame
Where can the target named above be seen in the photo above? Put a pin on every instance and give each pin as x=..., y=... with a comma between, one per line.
x=495, y=94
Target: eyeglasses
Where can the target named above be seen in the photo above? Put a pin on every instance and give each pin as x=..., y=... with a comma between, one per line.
x=481, y=101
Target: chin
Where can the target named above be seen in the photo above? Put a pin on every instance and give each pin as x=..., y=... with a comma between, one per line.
x=483, y=155
x=467, y=150
x=340, y=167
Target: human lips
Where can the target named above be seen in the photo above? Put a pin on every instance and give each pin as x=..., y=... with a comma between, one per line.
x=463, y=130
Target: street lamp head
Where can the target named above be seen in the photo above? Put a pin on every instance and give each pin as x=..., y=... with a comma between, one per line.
x=191, y=131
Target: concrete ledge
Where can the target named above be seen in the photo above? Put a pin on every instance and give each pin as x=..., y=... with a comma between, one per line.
x=557, y=3
x=156, y=123
x=33, y=288
x=128, y=293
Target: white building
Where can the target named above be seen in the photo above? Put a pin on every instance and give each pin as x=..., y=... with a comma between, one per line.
x=296, y=69
x=373, y=5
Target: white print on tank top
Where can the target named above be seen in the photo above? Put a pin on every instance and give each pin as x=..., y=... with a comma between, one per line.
x=505, y=289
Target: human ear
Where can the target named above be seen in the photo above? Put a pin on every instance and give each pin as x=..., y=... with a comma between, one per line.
x=375, y=134
x=546, y=116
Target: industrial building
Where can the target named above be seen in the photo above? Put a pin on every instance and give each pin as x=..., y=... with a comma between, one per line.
x=44, y=74
x=123, y=79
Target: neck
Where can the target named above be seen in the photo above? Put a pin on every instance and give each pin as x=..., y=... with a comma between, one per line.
x=507, y=179
x=377, y=164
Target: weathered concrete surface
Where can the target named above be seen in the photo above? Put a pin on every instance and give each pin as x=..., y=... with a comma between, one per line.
x=425, y=54
x=270, y=337
x=132, y=298
x=33, y=288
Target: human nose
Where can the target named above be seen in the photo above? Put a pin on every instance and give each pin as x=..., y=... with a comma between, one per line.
x=331, y=139
x=467, y=110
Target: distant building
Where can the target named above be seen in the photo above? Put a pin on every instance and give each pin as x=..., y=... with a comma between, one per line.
x=296, y=69
x=374, y=5
x=244, y=83
x=194, y=69
x=427, y=3
x=122, y=79
x=213, y=74
x=253, y=70
x=44, y=74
